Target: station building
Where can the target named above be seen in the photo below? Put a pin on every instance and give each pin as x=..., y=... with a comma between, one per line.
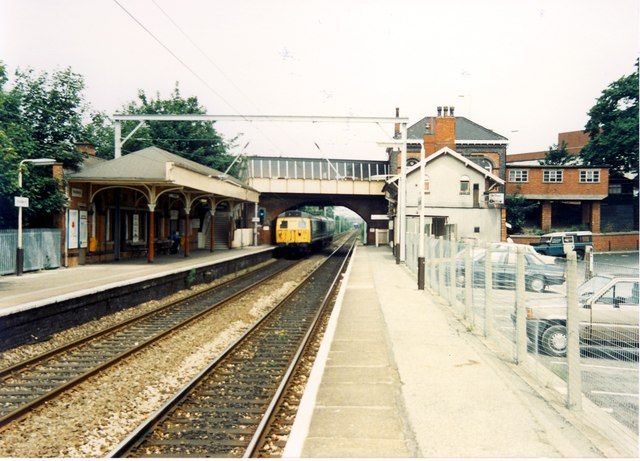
x=465, y=167
x=456, y=195
x=134, y=205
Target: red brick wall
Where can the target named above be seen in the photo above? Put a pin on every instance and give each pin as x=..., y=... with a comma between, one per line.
x=545, y=216
x=618, y=241
x=595, y=217
x=444, y=135
x=570, y=184
x=615, y=241
x=575, y=140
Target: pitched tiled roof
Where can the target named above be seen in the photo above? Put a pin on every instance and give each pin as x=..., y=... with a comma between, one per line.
x=466, y=130
x=457, y=156
x=145, y=164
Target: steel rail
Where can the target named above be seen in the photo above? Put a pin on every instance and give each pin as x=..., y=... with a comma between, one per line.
x=136, y=437
x=261, y=431
x=22, y=411
x=65, y=347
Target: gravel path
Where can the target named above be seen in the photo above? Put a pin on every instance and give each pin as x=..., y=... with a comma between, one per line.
x=91, y=419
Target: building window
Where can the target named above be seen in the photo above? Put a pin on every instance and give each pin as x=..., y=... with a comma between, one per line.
x=483, y=162
x=426, y=185
x=552, y=176
x=615, y=189
x=464, y=185
x=589, y=175
x=518, y=175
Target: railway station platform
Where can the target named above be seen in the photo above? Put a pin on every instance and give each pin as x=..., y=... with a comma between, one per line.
x=398, y=375
x=40, y=288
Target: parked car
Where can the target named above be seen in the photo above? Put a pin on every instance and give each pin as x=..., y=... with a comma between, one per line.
x=538, y=273
x=608, y=315
x=560, y=243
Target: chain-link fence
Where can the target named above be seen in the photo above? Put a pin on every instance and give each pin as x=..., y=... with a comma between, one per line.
x=577, y=319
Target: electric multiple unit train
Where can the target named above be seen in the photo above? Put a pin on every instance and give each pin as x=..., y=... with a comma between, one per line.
x=297, y=231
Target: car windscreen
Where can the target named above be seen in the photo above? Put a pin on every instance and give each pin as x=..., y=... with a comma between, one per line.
x=591, y=286
x=533, y=259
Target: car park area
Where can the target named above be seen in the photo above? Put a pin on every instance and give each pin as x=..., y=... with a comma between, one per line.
x=609, y=347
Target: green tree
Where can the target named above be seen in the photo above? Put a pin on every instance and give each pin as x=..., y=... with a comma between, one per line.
x=197, y=141
x=517, y=208
x=558, y=155
x=613, y=127
x=318, y=210
x=40, y=116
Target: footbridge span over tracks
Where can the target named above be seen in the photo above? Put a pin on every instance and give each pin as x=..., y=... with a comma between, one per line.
x=287, y=183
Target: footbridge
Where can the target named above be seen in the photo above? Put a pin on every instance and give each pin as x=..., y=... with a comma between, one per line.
x=287, y=183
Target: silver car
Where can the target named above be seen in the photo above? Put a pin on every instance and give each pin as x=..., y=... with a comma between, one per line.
x=608, y=315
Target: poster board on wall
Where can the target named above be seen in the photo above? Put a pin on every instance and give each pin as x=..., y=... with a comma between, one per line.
x=83, y=229
x=72, y=229
x=135, y=234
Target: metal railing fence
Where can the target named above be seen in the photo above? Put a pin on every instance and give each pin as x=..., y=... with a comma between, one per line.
x=578, y=320
x=41, y=249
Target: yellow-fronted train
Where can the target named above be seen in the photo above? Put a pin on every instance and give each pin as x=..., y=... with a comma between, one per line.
x=298, y=232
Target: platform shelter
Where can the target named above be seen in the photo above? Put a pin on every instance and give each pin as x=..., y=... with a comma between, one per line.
x=133, y=206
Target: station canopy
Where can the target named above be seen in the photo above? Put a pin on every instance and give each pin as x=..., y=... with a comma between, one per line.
x=154, y=171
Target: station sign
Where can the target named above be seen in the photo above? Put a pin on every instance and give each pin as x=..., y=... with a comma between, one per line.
x=22, y=202
x=496, y=197
x=379, y=217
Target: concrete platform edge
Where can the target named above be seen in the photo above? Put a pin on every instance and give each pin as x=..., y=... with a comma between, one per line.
x=302, y=422
x=78, y=293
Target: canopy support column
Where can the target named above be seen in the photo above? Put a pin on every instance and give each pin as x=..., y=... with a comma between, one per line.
x=187, y=230
x=151, y=233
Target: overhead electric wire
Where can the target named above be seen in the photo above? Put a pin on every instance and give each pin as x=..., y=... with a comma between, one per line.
x=190, y=69
x=211, y=61
x=214, y=64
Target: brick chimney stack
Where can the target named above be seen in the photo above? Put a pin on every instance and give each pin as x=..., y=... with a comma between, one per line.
x=86, y=148
x=443, y=132
x=396, y=134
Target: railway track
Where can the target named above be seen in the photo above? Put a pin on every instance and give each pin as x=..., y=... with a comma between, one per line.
x=28, y=384
x=225, y=411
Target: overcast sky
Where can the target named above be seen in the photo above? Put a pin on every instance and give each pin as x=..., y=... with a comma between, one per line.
x=526, y=69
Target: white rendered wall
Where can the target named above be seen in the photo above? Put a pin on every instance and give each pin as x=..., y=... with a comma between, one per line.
x=444, y=175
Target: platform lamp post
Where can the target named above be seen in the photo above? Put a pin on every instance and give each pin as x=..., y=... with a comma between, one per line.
x=21, y=202
x=421, y=222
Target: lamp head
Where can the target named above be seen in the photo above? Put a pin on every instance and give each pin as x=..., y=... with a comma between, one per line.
x=41, y=161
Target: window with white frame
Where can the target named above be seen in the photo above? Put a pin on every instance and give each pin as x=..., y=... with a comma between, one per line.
x=426, y=184
x=552, y=176
x=589, y=175
x=518, y=175
x=464, y=185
